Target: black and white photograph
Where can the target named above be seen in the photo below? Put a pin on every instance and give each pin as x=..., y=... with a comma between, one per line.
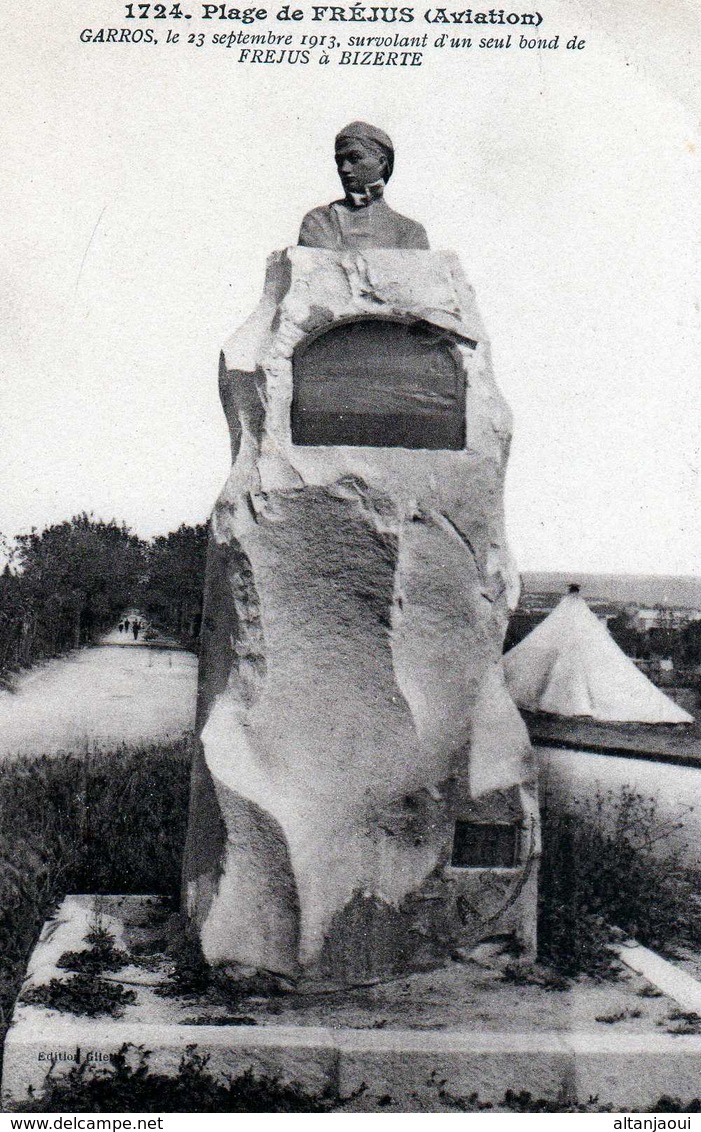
x=350, y=562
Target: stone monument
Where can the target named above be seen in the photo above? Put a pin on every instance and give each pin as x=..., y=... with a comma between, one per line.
x=363, y=799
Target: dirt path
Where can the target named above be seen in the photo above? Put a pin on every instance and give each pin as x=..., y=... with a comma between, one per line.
x=99, y=696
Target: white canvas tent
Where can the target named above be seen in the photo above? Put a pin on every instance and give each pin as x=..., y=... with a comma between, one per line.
x=570, y=665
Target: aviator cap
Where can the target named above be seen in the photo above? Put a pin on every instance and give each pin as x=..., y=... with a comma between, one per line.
x=370, y=136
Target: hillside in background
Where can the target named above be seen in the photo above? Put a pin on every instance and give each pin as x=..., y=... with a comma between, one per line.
x=677, y=592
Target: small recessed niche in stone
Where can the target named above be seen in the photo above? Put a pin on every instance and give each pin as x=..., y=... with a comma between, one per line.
x=379, y=383
x=485, y=845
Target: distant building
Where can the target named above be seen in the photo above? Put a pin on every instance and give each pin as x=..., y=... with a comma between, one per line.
x=570, y=666
x=646, y=619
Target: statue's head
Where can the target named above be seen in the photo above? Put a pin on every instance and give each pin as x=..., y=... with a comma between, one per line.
x=364, y=155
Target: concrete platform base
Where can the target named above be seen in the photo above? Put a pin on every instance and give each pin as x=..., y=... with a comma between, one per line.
x=426, y=1043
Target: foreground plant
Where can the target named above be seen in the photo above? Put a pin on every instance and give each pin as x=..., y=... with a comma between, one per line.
x=84, y=994
x=612, y=867
x=108, y=821
x=130, y=1085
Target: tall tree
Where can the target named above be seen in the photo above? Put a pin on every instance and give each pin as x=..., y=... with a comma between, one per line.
x=75, y=578
x=172, y=593
x=63, y=586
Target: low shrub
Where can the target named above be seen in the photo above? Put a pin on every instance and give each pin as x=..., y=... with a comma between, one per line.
x=84, y=993
x=605, y=873
x=110, y=821
x=100, y=956
x=128, y=1085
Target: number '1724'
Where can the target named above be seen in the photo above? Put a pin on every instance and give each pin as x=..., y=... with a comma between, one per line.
x=153, y=12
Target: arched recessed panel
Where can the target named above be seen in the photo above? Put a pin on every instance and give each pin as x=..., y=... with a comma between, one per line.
x=379, y=383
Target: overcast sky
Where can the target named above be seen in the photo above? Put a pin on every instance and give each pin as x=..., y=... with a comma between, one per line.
x=144, y=186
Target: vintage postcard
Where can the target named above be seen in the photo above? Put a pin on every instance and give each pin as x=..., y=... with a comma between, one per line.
x=350, y=603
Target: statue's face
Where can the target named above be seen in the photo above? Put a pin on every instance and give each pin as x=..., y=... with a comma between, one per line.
x=357, y=165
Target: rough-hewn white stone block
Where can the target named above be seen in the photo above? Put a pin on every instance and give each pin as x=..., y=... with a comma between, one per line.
x=352, y=705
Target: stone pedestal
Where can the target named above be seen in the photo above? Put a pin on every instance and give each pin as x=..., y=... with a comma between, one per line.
x=363, y=803
x=446, y=1036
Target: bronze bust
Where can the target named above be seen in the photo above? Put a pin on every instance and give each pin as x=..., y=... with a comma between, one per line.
x=363, y=219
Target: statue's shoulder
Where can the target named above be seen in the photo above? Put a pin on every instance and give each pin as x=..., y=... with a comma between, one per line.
x=318, y=228
x=411, y=234
x=321, y=212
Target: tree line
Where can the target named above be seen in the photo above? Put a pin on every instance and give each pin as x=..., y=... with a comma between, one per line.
x=64, y=586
